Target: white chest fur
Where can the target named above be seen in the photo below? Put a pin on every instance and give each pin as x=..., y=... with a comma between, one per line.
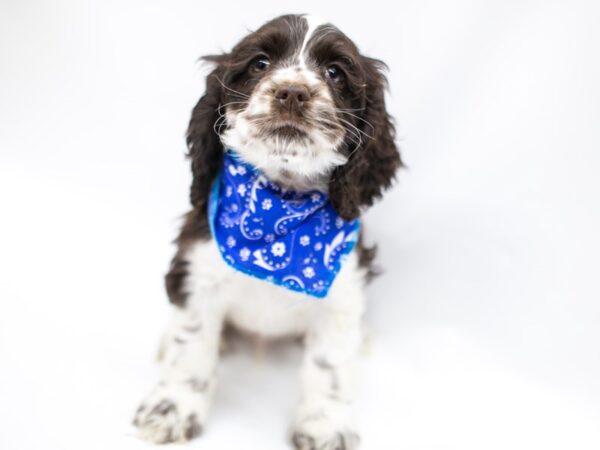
x=257, y=306
x=177, y=409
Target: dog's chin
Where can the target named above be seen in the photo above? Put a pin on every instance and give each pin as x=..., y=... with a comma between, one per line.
x=287, y=154
x=289, y=133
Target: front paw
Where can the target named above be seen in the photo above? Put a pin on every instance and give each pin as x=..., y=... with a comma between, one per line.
x=329, y=427
x=171, y=413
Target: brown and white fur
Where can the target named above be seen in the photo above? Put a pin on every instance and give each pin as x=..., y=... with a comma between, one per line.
x=298, y=101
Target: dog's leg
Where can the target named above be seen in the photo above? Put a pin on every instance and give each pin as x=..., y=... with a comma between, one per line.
x=324, y=417
x=177, y=408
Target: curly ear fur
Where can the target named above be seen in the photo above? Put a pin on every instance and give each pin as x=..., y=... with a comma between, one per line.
x=204, y=145
x=372, y=166
x=206, y=152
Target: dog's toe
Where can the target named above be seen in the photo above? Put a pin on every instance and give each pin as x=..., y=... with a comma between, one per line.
x=169, y=416
x=326, y=429
x=346, y=440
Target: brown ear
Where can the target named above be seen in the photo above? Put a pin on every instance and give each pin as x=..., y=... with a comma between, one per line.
x=205, y=151
x=204, y=144
x=372, y=165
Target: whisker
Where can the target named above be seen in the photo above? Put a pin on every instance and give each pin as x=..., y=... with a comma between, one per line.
x=222, y=118
x=233, y=103
x=217, y=126
x=230, y=103
x=349, y=109
x=355, y=127
x=352, y=133
x=241, y=94
x=359, y=118
x=355, y=137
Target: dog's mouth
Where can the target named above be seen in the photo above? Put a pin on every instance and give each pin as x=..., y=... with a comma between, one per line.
x=290, y=132
x=287, y=130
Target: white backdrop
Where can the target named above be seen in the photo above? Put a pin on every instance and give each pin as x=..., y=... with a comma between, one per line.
x=484, y=328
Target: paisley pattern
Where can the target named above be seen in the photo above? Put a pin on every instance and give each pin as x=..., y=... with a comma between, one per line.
x=295, y=240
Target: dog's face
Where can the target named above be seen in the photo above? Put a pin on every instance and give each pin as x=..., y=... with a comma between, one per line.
x=291, y=94
x=298, y=101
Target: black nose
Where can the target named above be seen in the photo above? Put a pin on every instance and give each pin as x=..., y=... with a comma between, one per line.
x=292, y=96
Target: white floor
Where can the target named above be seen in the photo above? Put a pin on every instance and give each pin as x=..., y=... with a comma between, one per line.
x=484, y=328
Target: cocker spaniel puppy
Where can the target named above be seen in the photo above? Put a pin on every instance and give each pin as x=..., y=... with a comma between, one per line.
x=289, y=144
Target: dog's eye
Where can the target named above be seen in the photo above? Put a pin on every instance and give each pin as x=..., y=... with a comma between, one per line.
x=334, y=73
x=260, y=64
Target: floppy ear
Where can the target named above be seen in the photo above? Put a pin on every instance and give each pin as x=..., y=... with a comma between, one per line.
x=372, y=166
x=204, y=145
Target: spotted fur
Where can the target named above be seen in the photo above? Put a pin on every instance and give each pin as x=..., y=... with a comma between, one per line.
x=299, y=101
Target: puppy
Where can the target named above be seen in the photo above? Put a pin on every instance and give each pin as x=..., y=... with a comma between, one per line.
x=289, y=144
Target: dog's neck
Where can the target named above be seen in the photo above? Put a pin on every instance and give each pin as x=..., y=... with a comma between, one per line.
x=287, y=170
x=289, y=180
x=297, y=169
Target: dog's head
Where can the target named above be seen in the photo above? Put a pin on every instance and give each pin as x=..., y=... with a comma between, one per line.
x=298, y=101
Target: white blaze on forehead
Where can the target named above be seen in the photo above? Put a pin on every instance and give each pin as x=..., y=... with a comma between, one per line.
x=298, y=71
x=293, y=75
x=313, y=23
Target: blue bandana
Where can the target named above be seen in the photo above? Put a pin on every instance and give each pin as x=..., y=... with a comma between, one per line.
x=295, y=240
